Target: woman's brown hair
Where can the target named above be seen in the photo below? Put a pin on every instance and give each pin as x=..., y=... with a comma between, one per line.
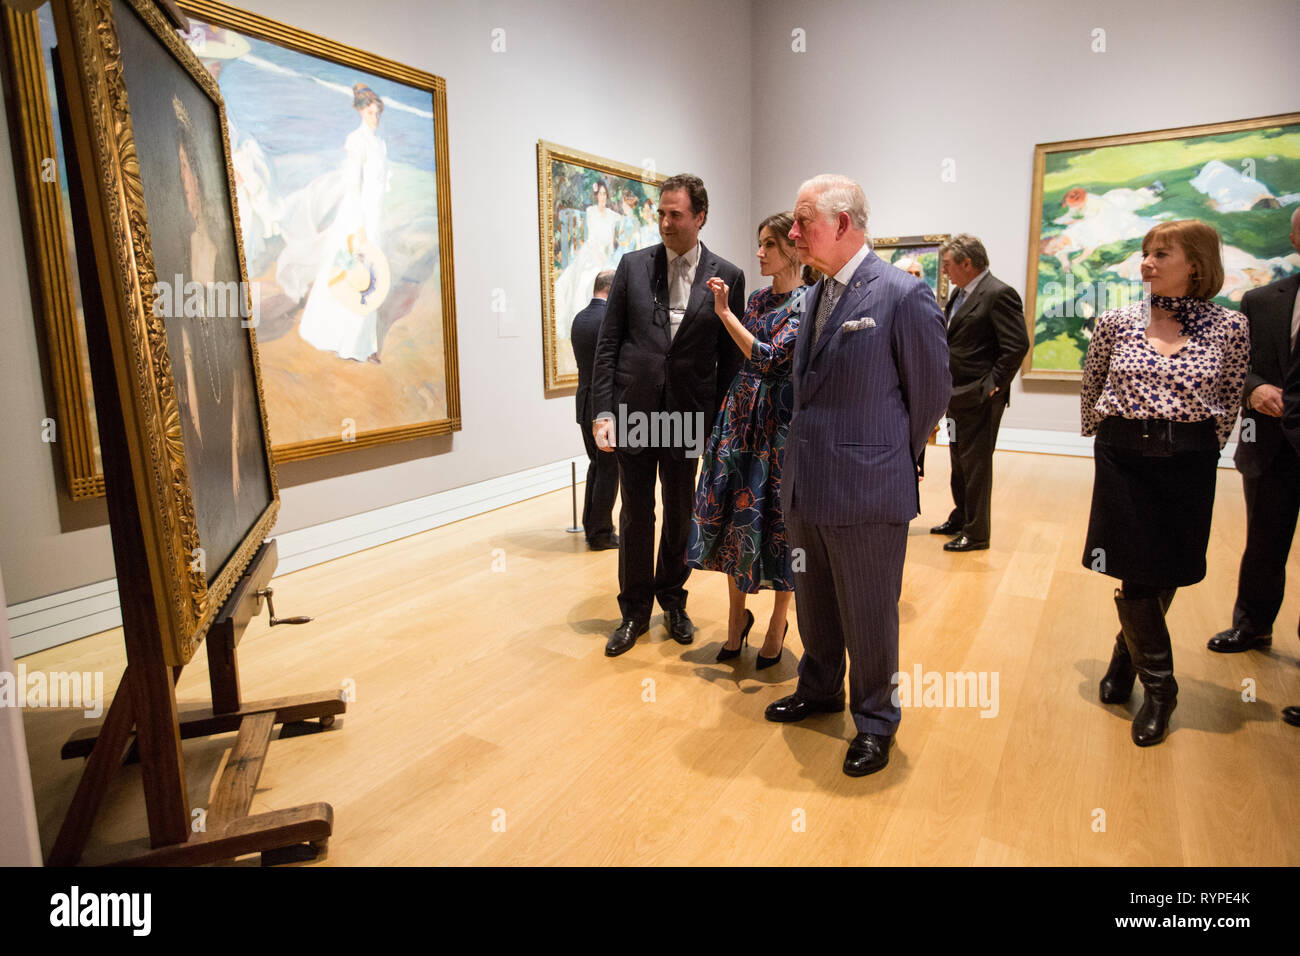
x=1200, y=244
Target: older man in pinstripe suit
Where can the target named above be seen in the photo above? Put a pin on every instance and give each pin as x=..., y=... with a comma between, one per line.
x=871, y=379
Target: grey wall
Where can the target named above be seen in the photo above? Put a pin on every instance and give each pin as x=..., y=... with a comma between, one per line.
x=626, y=80
x=981, y=83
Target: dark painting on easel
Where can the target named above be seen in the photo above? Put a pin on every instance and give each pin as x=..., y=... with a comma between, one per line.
x=198, y=291
x=178, y=312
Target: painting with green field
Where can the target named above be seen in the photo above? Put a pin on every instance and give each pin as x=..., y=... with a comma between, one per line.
x=1095, y=199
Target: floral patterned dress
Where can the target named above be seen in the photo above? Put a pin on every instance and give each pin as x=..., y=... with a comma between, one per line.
x=737, y=526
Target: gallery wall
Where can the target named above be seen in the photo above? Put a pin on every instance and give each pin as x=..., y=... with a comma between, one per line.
x=636, y=82
x=884, y=92
x=887, y=93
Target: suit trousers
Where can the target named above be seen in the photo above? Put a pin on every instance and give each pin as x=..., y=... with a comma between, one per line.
x=848, y=579
x=642, y=580
x=602, y=488
x=972, y=466
x=1272, y=506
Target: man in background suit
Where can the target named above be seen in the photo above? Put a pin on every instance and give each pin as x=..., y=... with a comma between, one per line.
x=1269, y=466
x=663, y=366
x=602, y=469
x=871, y=380
x=987, y=341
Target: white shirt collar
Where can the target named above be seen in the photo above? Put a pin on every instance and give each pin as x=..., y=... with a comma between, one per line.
x=969, y=287
x=850, y=267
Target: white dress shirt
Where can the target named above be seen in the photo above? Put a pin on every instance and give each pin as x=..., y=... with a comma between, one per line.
x=681, y=276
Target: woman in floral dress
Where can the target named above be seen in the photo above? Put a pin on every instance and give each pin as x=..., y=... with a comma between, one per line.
x=737, y=526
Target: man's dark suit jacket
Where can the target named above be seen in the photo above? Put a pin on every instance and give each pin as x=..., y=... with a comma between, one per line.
x=987, y=341
x=1291, y=403
x=1268, y=309
x=584, y=334
x=640, y=367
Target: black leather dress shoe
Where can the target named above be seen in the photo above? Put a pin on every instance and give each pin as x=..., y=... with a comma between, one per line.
x=789, y=709
x=948, y=527
x=680, y=628
x=963, y=543
x=624, y=637
x=1234, y=640
x=867, y=754
x=603, y=542
x=1291, y=715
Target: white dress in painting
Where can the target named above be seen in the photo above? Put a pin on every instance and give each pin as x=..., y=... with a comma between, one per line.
x=574, y=285
x=327, y=323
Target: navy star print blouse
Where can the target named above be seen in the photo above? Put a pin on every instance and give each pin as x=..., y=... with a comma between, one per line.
x=1125, y=375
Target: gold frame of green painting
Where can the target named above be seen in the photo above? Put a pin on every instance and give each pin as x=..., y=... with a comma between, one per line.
x=557, y=381
x=935, y=239
x=1135, y=193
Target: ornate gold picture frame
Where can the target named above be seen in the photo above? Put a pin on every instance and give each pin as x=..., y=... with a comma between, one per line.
x=1094, y=199
x=416, y=395
x=345, y=194
x=590, y=212
x=918, y=255
x=26, y=42
x=153, y=163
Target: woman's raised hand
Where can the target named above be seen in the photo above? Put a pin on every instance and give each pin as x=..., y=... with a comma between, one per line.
x=720, y=291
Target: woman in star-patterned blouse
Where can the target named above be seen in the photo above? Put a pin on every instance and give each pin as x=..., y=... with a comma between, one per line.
x=1161, y=388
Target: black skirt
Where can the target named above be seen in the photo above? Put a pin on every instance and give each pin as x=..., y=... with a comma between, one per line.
x=1152, y=500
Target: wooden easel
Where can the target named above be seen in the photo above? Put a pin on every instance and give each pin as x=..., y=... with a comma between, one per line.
x=298, y=833
x=146, y=698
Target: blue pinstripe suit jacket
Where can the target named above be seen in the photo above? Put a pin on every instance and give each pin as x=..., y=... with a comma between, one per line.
x=865, y=400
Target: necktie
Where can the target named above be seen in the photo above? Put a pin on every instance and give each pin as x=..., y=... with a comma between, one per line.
x=956, y=303
x=825, y=307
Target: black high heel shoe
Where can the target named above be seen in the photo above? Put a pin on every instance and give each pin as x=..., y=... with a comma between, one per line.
x=726, y=655
x=765, y=662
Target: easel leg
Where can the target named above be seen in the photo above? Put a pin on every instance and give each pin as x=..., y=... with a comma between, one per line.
x=103, y=762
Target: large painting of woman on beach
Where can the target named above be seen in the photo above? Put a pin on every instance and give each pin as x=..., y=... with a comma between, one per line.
x=341, y=187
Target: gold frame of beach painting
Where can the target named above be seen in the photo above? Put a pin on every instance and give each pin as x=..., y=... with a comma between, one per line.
x=415, y=391
x=1094, y=200
x=581, y=233
x=345, y=201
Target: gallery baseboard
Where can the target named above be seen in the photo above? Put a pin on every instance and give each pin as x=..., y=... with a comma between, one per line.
x=80, y=612
x=69, y=615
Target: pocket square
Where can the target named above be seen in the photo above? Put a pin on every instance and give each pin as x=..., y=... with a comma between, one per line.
x=857, y=325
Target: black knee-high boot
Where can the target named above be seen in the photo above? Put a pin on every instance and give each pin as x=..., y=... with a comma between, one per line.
x=1147, y=636
x=1117, y=684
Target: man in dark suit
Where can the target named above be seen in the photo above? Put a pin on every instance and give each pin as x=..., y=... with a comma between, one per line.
x=1269, y=466
x=663, y=366
x=602, y=469
x=871, y=380
x=1291, y=423
x=987, y=341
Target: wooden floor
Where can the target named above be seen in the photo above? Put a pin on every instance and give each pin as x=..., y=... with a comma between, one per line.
x=489, y=728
